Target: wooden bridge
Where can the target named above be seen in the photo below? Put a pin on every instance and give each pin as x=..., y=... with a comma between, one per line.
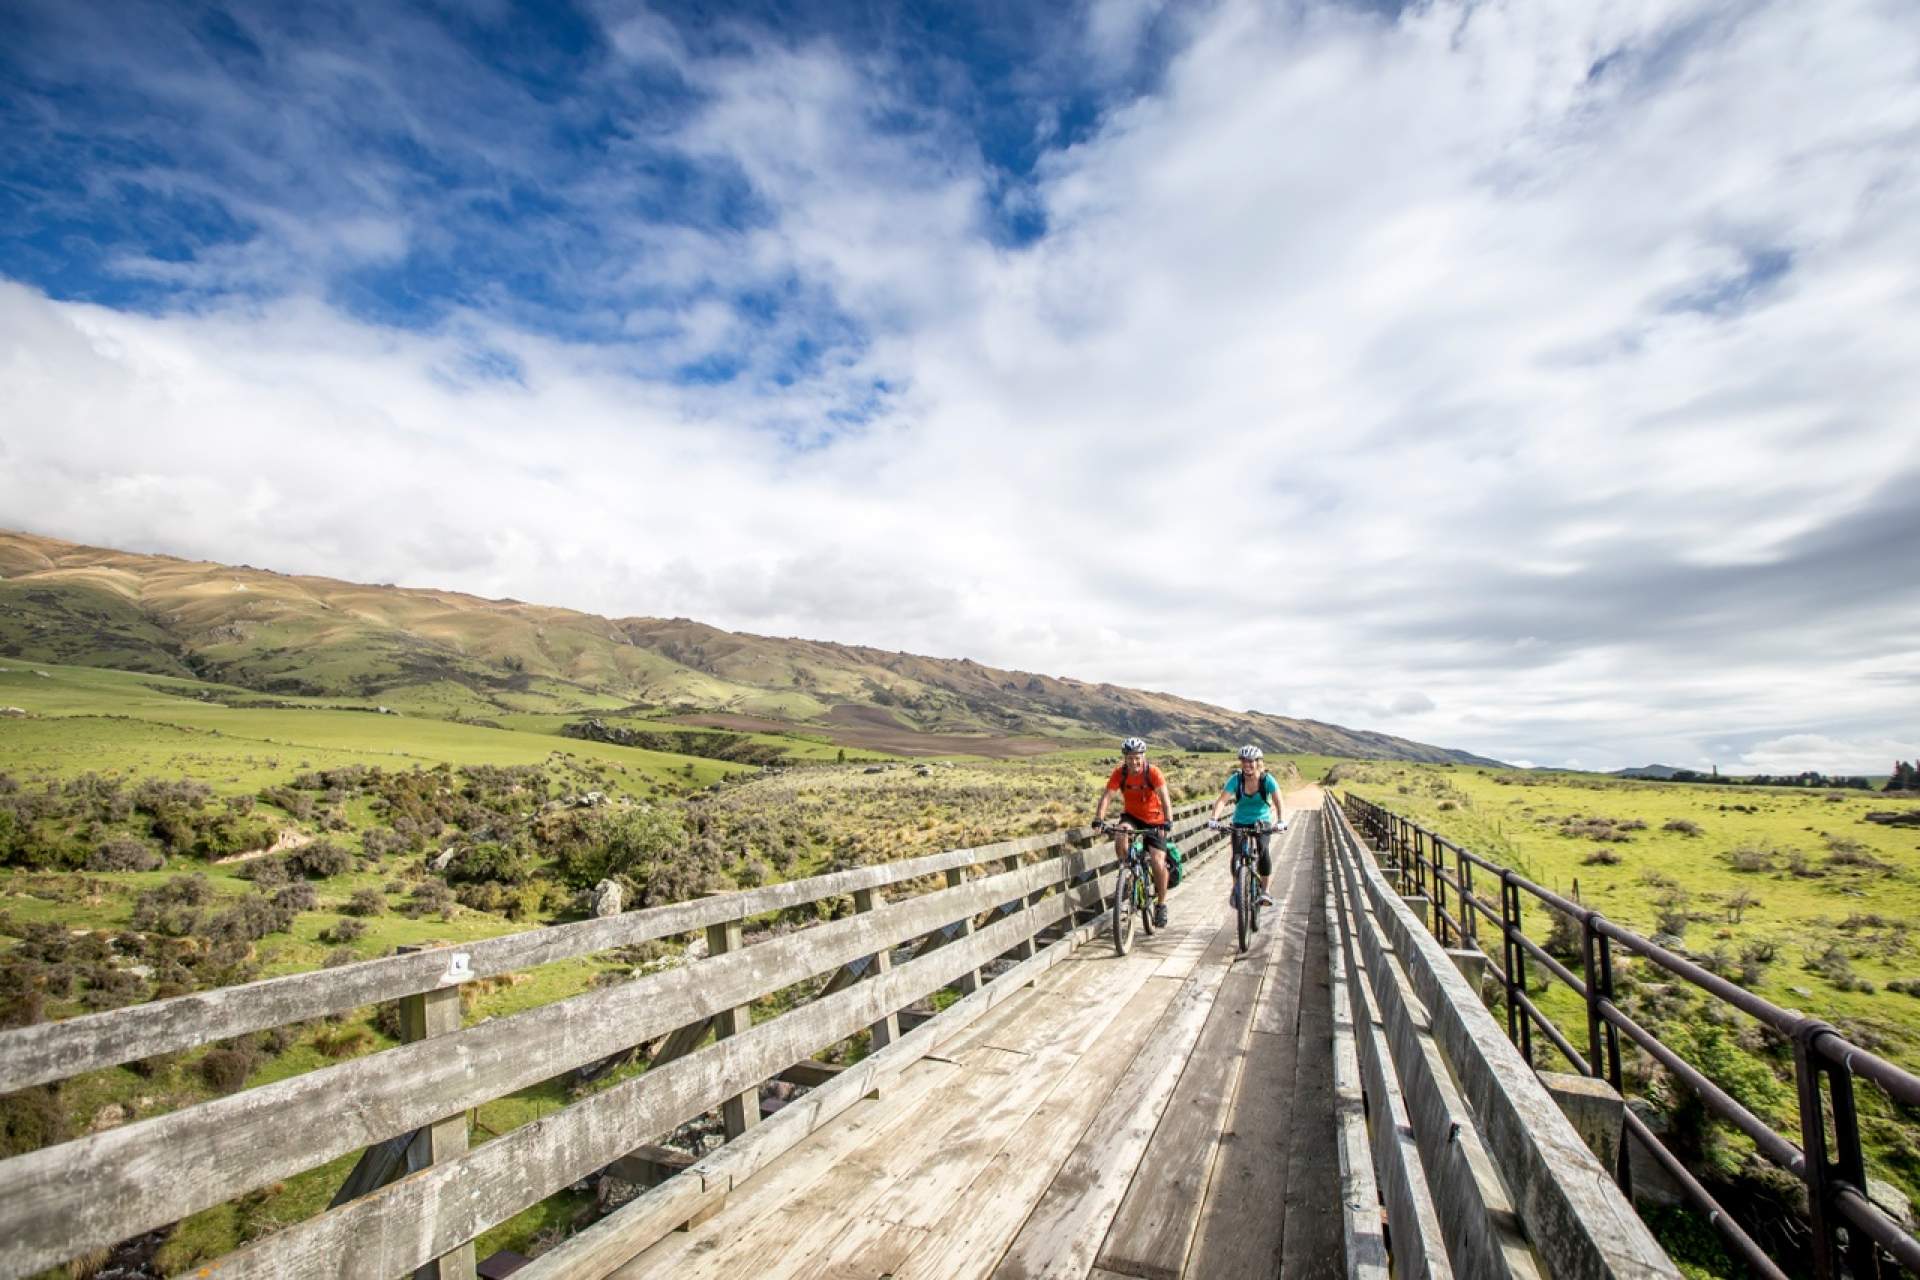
x=1334, y=1101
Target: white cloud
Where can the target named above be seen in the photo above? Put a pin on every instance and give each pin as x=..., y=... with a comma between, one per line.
x=1792, y=753
x=1364, y=357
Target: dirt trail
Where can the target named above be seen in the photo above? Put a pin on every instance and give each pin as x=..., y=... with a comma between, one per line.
x=288, y=839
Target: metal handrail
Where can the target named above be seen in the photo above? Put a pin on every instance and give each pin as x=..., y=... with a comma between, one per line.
x=1844, y=1222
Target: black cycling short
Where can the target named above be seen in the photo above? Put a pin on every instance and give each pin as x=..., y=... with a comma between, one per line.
x=1154, y=837
x=1261, y=840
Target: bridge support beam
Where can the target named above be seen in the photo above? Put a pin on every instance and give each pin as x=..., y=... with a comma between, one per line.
x=1472, y=964
x=1418, y=904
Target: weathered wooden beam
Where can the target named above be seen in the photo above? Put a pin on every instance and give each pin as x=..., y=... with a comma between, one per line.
x=811, y=1074
x=91, y=1192
x=398, y=1226
x=887, y=1029
x=970, y=981
x=649, y=1165
x=637, y=1224
x=427, y=1016
x=740, y=1111
x=53, y=1051
x=682, y=1041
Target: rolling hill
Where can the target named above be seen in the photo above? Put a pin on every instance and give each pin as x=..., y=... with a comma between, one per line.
x=442, y=653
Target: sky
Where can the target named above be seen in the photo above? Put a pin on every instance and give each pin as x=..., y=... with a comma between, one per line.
x=1535, y=379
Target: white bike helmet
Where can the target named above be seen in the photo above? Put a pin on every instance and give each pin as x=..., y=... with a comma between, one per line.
x=1134, y=744
x=1251, y=752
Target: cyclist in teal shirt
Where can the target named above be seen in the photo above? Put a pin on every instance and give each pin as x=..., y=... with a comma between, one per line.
x=1256, y=798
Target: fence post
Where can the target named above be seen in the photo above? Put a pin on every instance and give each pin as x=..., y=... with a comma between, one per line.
x=1623, y=1175
x=1849, y=1165
x=887, y=1030
x=1590, y=962
x=969, y=982
x=1024, y=949
x=422, y=1016
x=742, y=1111
x=1470, y=914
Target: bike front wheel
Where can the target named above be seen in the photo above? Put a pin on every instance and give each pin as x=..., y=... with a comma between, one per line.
x=1244, y=911
x=1123, y=895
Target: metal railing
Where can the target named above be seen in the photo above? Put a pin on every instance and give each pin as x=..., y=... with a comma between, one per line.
x=1850, y=1235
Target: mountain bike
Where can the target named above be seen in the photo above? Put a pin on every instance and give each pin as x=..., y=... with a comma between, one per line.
x=1132, y=888
x=1246, y=884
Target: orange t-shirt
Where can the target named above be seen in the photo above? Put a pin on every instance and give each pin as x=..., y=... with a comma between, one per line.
x=1140, y=793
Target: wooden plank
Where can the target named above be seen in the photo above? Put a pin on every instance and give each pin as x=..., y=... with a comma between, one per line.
x=724, y=1248
x=1362, y=1228
x=1064, y=1231
x=1242, y=1221
x=52, y=1051
x=865, y=1248
x=1419, y=1248
x=608, y=1247
x=1313, y=1236
x=809, y=1073
x=100, y=1189
x=421, y=1216
x=984, y=1219
x=1155, y=1222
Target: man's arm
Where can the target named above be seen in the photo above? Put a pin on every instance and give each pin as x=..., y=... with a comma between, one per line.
x=1166, y=800
x=1100, y=814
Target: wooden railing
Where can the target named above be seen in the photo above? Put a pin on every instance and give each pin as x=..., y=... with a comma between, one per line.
x=407, y=1105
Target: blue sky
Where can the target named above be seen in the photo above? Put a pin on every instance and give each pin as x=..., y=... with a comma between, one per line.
x=1531, y=379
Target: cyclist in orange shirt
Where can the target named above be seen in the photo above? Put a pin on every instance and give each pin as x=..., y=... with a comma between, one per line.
x=1147, y=809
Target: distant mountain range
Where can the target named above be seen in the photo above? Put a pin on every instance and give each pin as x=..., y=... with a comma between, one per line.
x=1663, y=772
x=459, y=656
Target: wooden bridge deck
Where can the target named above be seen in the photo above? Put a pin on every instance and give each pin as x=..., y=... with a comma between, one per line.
x=1165, y=1114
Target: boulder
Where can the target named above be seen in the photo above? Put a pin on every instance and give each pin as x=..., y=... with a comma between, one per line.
x=608, y=900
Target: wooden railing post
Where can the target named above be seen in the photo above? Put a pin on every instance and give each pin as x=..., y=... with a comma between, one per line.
x=423, y=1016
x=967, y=983
x=742, y=1111
x=887, y=1030
x=1026, y=949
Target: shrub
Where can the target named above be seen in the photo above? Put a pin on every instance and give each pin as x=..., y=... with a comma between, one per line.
x=227, y=1068
x=1754, y=959
x=1601, y=857
x=339, y=956
x=31, y=1119
x=342, y=1042
x=173, y=908
x=267, y=872
x=1738, y=902
x=341, y=931
x=492, y=862
x=296, y=898
x=1683, y=826
x=430, y=896
x=1750, y=858
x=365, y=902
x=319, y=860
x=124, y=853
x=248, y=920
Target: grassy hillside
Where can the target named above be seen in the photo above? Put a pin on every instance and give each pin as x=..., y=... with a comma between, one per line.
x=447, y=655
x=1792, y=893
